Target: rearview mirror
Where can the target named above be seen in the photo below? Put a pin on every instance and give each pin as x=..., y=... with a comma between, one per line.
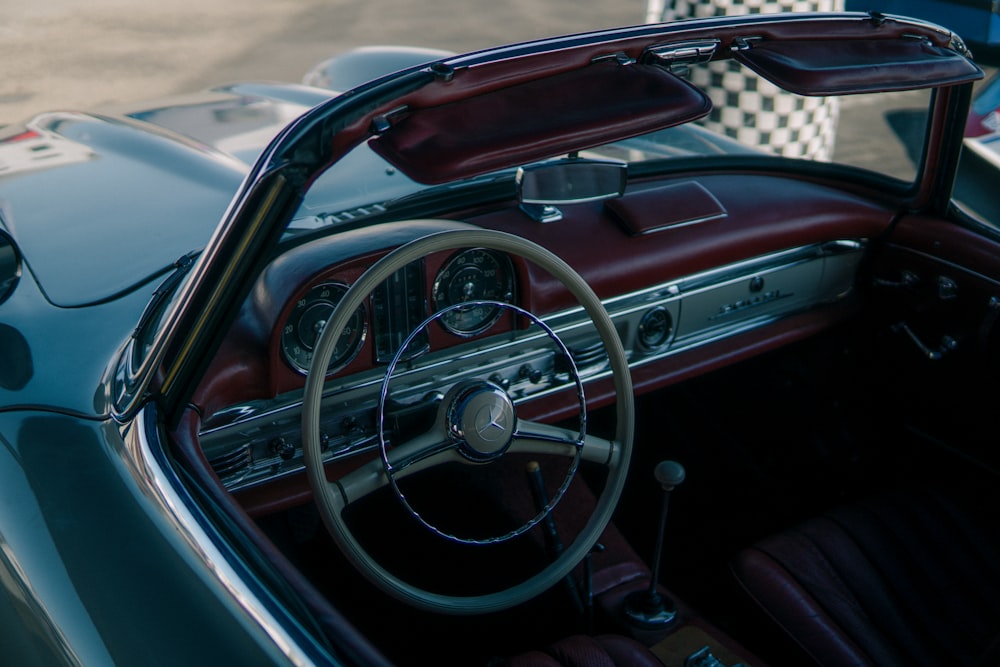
x=571, y=181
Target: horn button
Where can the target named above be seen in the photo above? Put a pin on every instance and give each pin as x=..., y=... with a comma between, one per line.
x=481, y=420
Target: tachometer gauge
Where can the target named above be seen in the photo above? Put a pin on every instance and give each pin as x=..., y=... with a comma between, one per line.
x=306, y=322
x=473, y=276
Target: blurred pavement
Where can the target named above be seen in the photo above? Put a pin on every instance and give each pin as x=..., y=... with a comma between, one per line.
x=78, y=54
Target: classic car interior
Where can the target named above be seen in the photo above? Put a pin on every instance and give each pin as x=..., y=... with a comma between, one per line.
x=430, y=390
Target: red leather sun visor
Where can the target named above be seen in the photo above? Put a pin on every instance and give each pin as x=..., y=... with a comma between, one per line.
x=508, y=127
x=846, y=66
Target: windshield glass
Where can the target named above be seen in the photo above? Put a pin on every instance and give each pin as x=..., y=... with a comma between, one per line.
x=440, y=142
x=882, y=133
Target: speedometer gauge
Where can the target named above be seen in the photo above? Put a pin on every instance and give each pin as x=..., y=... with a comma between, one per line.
x=305, y=324
x=473, y=276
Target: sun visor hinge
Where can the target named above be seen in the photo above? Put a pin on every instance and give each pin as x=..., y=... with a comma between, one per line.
x=744, y=43
x=620, y=58
x=678, y=57
x=383, y=123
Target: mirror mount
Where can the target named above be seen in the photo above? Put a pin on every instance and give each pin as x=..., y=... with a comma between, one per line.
x=544, y=213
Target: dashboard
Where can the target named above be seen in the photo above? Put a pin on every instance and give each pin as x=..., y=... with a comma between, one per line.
x=668, y=319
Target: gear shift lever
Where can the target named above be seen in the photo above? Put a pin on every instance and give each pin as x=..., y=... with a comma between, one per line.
x=647, y=608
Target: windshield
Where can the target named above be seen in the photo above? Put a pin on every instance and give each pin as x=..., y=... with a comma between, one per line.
x=433, y=143
x=880, y=133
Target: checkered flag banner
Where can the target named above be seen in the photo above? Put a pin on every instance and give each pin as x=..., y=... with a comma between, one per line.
x=746, y=107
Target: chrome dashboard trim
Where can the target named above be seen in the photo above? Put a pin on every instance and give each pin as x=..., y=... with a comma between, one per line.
x=504, y=356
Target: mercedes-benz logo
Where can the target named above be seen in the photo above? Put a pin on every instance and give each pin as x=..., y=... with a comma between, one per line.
x=481, y=420
x=491, y=423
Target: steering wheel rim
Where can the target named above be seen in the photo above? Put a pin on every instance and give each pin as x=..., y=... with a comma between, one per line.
x=331, y=498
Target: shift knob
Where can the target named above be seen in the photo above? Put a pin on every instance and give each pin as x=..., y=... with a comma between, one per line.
x=670, y=474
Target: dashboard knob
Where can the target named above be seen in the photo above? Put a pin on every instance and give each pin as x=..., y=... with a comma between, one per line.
x=282, y=448
x=531, y=374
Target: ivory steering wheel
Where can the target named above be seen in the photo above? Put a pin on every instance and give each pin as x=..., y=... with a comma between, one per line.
x=458, y=435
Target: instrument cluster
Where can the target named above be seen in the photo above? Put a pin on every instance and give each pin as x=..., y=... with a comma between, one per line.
x=475, y=277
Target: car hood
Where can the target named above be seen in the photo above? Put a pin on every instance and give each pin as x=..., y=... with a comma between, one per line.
x=100, y=203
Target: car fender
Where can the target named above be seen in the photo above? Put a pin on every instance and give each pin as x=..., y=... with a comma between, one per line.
x=91, y=570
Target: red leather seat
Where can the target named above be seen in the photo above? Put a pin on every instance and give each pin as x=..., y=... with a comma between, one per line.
x=907, y=579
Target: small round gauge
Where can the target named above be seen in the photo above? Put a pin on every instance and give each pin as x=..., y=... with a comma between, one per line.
x=305, y=324
x=655, y=328
x=473, y=275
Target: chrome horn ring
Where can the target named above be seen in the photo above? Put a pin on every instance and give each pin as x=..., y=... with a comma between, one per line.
x=479, y=421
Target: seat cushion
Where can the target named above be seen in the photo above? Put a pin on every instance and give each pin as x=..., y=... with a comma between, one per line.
x=905, y=579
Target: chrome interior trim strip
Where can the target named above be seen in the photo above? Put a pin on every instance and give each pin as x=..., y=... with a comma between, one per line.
x=702, y=309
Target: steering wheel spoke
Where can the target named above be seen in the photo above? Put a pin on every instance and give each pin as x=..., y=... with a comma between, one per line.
x=539, y=438
x=420, y=453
